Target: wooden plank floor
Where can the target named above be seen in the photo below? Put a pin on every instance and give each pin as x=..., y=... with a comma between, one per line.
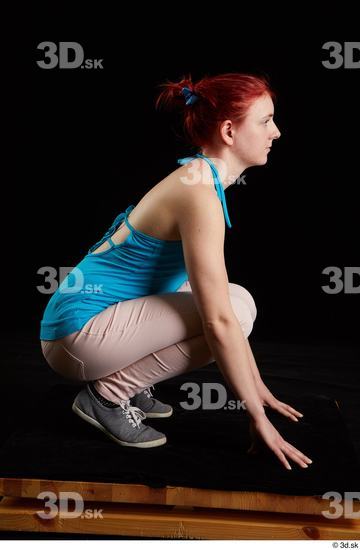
x=20, y=514
x=181, y=496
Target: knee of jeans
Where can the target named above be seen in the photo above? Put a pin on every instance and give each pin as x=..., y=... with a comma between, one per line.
x=242, y=292
x=243, y=314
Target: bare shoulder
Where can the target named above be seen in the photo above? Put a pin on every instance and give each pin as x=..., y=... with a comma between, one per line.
x=201, y=226
x=187, y=193
x=191, y=188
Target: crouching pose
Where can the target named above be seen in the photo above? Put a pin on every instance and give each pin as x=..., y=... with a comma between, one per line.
x=160, y=303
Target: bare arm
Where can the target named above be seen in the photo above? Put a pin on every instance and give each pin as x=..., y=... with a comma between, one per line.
x=266, y=397
x=229, y=348
x=201, y=224
x=253, y=365
x=202, y=228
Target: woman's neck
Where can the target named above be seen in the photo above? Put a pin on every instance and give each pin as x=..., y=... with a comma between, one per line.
x=228, y=166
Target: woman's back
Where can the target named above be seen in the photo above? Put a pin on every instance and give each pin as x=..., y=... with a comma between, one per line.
x=156, y=213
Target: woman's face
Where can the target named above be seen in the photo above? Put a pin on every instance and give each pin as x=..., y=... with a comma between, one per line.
x=255, y=133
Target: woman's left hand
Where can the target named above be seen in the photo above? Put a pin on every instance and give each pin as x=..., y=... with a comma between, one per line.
x=268, y=399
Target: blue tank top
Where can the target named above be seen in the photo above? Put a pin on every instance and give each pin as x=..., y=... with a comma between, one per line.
x=139, y=266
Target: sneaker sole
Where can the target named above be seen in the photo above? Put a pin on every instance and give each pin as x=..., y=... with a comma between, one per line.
x=159, y=415
x=93, y=422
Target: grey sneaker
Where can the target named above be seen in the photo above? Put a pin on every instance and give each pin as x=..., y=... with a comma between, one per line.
x=153, y=408
x=122, y=424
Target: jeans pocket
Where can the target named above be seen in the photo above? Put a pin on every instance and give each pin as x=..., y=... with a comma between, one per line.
x=62, y=361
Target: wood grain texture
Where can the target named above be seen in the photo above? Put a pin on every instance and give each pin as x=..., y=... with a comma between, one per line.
x=165, y=522
x=181, y=496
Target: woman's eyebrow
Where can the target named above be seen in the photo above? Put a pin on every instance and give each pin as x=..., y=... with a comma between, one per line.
x=267, y=116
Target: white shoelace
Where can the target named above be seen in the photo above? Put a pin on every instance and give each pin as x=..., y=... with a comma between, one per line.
x=133, y=414
x=147, y=391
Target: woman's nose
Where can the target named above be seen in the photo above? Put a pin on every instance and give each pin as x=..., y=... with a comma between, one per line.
x=277, y=133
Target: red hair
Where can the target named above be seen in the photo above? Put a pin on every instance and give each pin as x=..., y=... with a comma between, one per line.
x=220, y=97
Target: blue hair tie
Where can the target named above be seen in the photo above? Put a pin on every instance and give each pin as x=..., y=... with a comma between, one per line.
x=189, y=95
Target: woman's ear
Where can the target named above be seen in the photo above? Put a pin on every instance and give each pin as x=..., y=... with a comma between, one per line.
x=227, y=132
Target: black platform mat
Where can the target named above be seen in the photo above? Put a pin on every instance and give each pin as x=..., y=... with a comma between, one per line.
x=205, y=449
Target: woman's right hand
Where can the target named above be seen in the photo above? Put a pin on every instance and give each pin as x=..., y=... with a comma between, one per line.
x=262, y=431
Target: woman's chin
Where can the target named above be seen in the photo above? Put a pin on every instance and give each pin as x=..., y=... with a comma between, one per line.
x=259, y=161
x=262, y=161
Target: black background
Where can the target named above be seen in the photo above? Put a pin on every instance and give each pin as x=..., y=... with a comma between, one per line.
x=89, y=142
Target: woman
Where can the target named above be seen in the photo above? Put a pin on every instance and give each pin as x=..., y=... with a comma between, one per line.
x=157, y=301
